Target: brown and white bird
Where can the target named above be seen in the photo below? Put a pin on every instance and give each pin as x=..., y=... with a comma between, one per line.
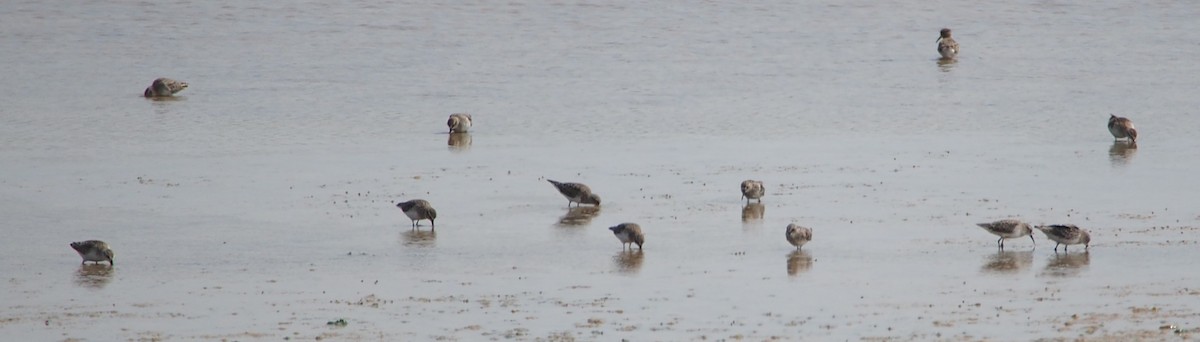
x=164, y=87
x=576, y=193
x=1122, y=128
x=459, y=123
x=752, y=189
x=418, y=210
x=797, y=235
x=1066, y=235
x=946, y=45
x=93, y=250
x=1008, y=229
x=629, y=234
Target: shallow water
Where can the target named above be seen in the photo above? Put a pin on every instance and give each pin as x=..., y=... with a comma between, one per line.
x=259, y=204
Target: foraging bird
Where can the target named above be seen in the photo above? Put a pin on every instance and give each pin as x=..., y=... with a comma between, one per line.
x=93, y=250
x=752, y=189
x=1008, y=229
x=1122, y=128
x=629, y=234
x=418, y=210
x=164, y=87
x=946, y=45
x=797, y=235
x=576, y=193
x=459, y=122
x=1066, y=235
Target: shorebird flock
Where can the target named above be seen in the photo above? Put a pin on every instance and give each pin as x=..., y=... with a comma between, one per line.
x=630, y=234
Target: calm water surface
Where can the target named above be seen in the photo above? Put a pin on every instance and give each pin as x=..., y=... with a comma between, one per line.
x=259, y=204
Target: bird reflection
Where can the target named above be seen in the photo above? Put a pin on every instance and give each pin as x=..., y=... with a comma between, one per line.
x=419, y=238
x=945, y=65
x=753, y=211
x=162, y=105
x=798, y=261
x=578, y=216
x=1008, y=262
x=1121, y=152
x=94, y=276
x=628, y=261
x=459, y=141
x=1066, y=264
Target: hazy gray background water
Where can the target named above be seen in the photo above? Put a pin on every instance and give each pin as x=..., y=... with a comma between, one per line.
x=258, y=204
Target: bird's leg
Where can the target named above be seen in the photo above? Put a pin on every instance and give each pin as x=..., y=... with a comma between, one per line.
x=1031, y=240
x=1000, y=243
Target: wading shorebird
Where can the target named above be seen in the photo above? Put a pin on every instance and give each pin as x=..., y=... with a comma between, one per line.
x=164, y=87
x=418, y=210
x=459, y=123
x=629, y=234
x=797, y=235
x=1008, y=229
x=946, y=45
x=93, y=250
x=1122, y=128
x=1066, y=235
x=576, y=193
x=752, y=189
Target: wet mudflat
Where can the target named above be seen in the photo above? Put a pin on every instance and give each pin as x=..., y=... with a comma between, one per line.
x=259, y=205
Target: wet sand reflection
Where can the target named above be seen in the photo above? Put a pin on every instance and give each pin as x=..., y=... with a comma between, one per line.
x=1067, y=264
x=578, y=216
x=628, y=261
x=753, y=212
x=1121, y=153
x=1008, y=262
x=459, y=142
x=94, y=276
x=946, y=64
x=798, y=261
x=419, y=238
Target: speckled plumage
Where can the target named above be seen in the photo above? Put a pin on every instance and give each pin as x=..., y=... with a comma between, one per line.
x=946, y=45
x=797, y=235
x=629, y=234
x=163, y=87
x=576, y=193
x=418, y=210
x=1122, y=128
x=1008, y=229
x=752, y=189
x=1066, y=235
x=93, y=250
x=459, y=122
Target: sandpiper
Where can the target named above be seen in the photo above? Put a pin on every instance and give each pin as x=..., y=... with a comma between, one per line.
x=752, y=189
x=164, y=87
x=459, y=122
x=946, y=45
x=1122, y=128
x=576, y=193
x=418, y=210
x=797, y=235
x=93, y=250
x=1008, y=229
x=1066, y=235
x=629, y=234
